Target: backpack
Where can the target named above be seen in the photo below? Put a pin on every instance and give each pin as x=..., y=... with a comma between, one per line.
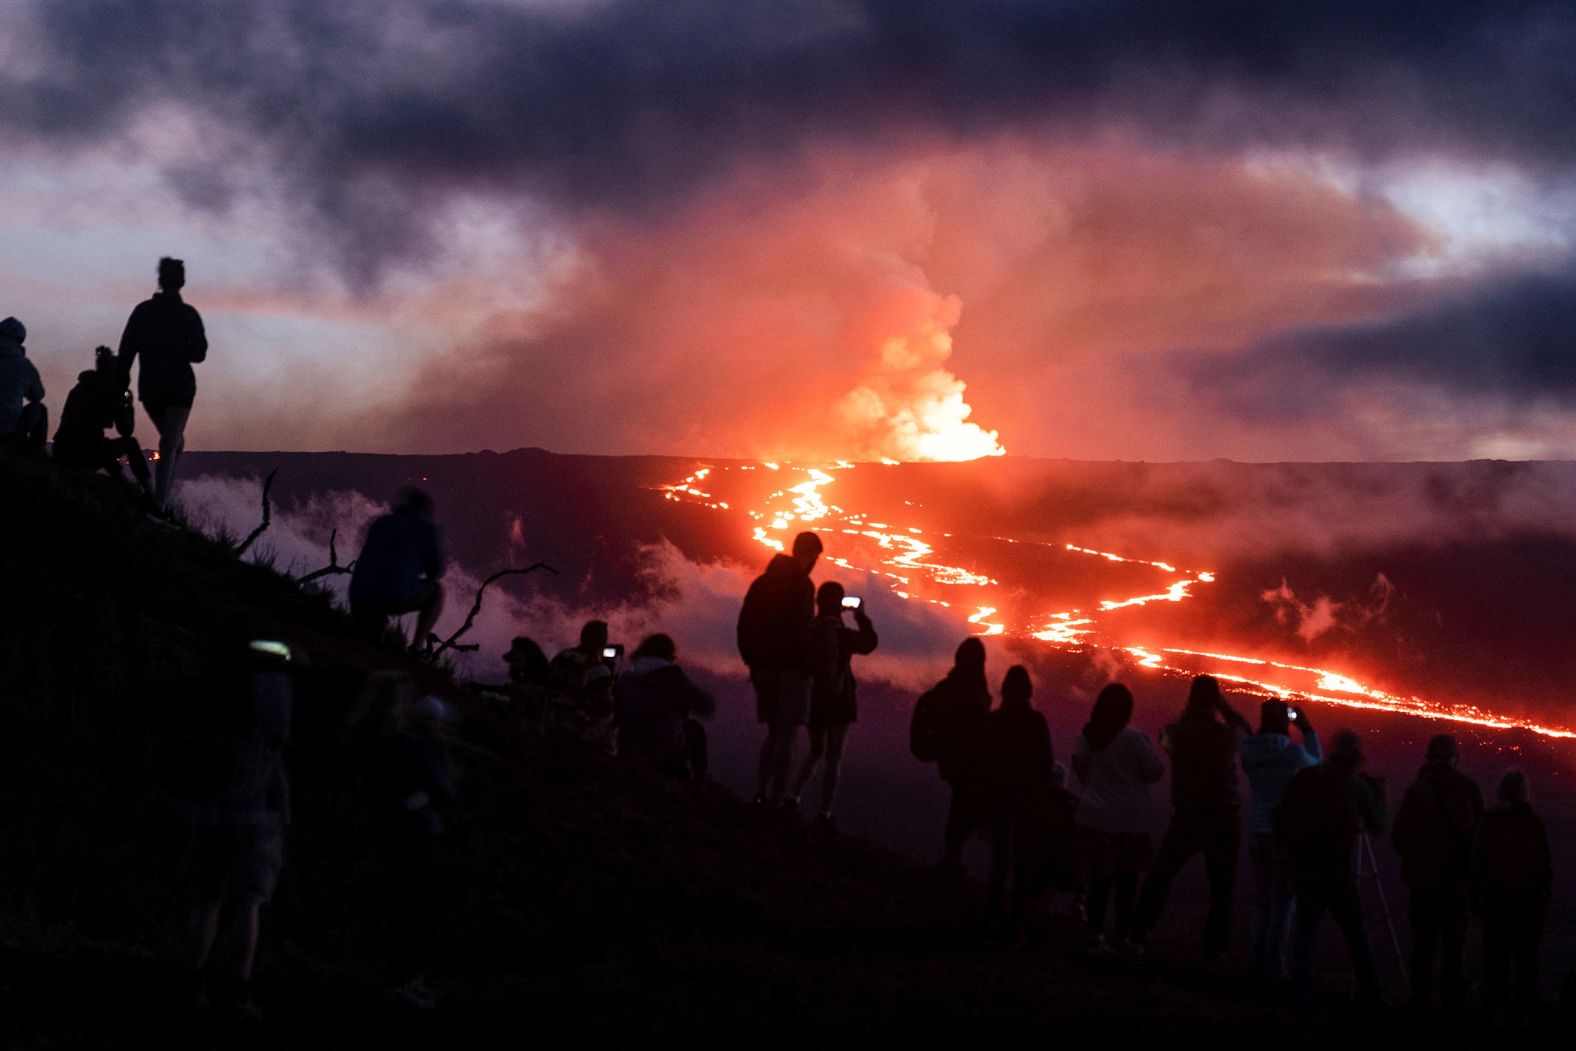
x=925, y=730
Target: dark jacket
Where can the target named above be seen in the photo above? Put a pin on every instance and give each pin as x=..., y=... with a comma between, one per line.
x=652, y=699
x=1510, y=866
x=401, y=549
x=1325, y=808
x=98, y=402
x=834, y=691
x=1435, y=826
x=1203, y=760
x=962, y=707
x=776, y=619
x=1017, y=758
x=167, y=334
x=19, y=382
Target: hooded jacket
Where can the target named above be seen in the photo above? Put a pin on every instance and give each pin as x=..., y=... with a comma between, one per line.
x=1435, y=826
x=1116, y=782
x=167, y=333
x=19, y=380
x=777, y=619
x=1271, y=760
x=652, y=698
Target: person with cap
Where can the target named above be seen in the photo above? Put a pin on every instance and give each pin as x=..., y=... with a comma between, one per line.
x=166, y=333
x=658, y=708
x=400, y=569
x=98, y=402
x=1433, y=831
x=24, y=421
x=1319, y=822
x=1207, y=816
x=527, y=681
x=411, y=786
x=1511, y=879
x=1270, y=759
x=774, y=633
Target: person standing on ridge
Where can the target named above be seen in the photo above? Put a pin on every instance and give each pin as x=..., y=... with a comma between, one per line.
x=948, y=729
x=167, y=334
x=1207, y=819
x=833, y=691
x=1271, y=759
x=1512, y=876
x=1433, y=831
x=1018, y=761
x=24, y=422
x=776, y=624
x=400, y=569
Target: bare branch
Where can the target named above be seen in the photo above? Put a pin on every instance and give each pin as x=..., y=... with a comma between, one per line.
x=268, y=515
x=476, y=606
x=333, y=566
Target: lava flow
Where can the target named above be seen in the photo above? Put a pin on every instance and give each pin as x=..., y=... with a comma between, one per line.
x=908, y=562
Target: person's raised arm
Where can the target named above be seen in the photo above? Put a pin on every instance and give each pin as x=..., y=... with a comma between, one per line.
x=865, y=641
x=1234, y=718
x=1311, y=748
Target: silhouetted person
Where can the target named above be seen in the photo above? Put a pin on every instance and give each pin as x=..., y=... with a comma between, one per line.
x=1018, y=762
x=1433, y=832
x=1203, y=748
x=1327, y=807
x=527, y=681
x=774, y=635
x=400, y=569
x=1116, y=765
x=24, y=422
x=1511, y=878
x=658, y=707
x=1271, y=759
x=580, y=690
x=167, y=334
x=99, y=401
x=949, y=727
x=834, y=703
x=239, y=809
x=410, y=784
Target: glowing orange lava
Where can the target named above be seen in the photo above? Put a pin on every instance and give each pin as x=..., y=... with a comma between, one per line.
x=908, y=562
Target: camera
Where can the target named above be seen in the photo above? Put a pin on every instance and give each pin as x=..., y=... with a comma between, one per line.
x=851, y=602
x=1293, y=715
x=613, y=651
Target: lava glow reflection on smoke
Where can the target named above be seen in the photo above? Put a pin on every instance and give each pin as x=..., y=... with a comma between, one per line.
x=908, y=562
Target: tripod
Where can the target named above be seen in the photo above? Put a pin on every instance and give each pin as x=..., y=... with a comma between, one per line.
x=1367, y=859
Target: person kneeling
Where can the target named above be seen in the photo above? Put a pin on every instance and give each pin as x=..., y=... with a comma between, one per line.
x=100, y=400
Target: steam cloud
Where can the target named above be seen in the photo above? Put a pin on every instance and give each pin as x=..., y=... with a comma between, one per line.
x=1310, y=621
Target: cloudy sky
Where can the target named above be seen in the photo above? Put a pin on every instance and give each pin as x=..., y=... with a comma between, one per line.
x=1313, y=229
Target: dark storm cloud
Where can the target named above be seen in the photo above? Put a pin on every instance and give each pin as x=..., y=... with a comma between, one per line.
x=1513, y=339
x=622, y=104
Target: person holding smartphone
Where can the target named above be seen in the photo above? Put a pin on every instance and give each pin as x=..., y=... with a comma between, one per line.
x=833, y=701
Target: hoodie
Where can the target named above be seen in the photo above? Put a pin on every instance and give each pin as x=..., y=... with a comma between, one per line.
x=1271, y=760
x=19, y=380
x=167, y=333
x=1116, y=782
x=777, y=619
x=653, y=698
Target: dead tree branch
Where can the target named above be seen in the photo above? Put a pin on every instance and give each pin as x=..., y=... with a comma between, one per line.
x=333, y=568
x=268, y=515
x=476, y=606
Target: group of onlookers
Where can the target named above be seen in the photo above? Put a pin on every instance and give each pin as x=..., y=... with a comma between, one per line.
x=166, y=335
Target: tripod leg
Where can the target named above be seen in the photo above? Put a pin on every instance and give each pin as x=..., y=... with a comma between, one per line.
x=1367, y=852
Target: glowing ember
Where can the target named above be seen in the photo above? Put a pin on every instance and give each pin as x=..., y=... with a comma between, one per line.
x=909, y=562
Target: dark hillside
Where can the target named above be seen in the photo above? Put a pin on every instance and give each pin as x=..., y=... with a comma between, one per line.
x=581, y=900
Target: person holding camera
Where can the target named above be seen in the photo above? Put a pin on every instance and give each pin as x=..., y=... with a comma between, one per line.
x=833, y=702
x=1326, y=809
x=1271, y=759
x=580, y=689
x=1207, y=819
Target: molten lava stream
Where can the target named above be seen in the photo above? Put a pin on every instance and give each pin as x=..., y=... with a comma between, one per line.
x=908, y=562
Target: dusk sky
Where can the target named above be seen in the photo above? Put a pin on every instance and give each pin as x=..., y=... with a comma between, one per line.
x=813, y=228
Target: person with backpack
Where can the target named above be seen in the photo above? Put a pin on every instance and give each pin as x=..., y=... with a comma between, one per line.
x=1270, y=759
x=1433, y=832
x=99, y=401
x=167, y=334
x=1018, y=760
x=657, y=707
x=1207, y=819
x=833, y=691
x=1511, y=876
x=1326, y=809
x=947, y=729
x=776, y=624
x=580, y=690
x=1115, y=765
x=24, y=421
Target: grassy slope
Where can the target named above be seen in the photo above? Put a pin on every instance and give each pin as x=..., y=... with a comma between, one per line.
x=580, y=896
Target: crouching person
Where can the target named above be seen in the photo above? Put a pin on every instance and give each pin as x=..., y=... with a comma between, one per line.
x=99, y=401
x=658, y=706
x=237, y=814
